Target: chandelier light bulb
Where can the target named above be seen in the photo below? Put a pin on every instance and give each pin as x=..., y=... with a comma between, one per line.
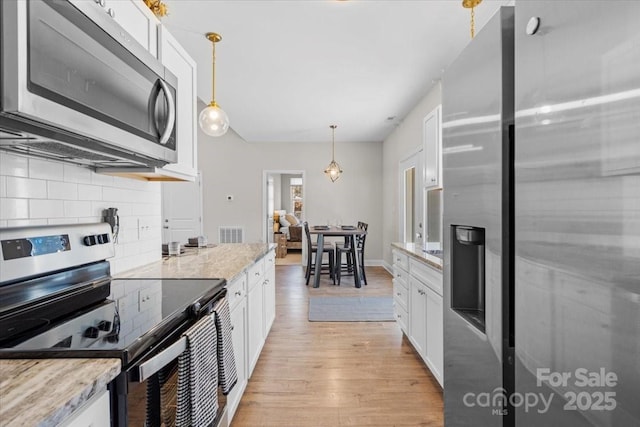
x=213, y=120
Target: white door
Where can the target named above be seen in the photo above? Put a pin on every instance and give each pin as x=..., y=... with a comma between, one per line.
x=181, y=210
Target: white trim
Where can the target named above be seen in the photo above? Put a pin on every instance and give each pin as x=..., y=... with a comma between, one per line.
x=267, y=172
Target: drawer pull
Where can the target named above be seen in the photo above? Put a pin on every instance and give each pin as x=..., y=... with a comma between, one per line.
x=238, y=293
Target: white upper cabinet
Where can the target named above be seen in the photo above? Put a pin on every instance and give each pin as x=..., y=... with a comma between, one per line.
x=137, y=20
x=432, y=148
x=176, y=59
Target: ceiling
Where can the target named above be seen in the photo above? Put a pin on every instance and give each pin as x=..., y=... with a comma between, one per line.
x=286, y=70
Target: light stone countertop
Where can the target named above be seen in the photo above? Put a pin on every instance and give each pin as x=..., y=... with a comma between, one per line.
x=43, y=392
x=223, y=261
x=416, y=252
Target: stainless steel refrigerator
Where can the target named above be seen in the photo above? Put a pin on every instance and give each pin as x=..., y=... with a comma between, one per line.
x=542, y=219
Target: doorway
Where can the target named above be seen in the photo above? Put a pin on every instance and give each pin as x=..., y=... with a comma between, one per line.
x=411, y=192
x=283, y=190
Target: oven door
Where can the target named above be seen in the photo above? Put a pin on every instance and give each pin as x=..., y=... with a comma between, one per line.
x=146, y=394
x=62, y=67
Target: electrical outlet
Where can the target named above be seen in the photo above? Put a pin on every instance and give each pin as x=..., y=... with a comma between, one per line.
x=144, y=300
x=144, y=228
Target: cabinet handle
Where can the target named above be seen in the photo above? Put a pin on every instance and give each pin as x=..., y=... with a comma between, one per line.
x=112, y=13
x=238, y=293
x=257, y=273
x=232, y=327
x=399, y=275
x=399, y=294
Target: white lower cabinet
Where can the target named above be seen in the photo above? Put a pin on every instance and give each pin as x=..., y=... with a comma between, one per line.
x=434, y=355
x=253, y=306
x=269, y=296
x=255, y=323
x=238, y=323
x=418, y=316
x=418, y=306
x=94, y=413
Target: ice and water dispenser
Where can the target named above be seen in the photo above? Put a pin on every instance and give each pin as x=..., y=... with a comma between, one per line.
x=468, y=273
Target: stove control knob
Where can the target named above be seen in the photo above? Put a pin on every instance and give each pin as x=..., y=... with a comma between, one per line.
x=105, y=238
x=91, y=332
x=90, y=240
x=104, y=325
x=195, y=309
x=112, y=338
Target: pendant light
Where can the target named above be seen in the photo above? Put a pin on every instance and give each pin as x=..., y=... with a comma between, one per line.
x=333, y=171
x=471, y=4
x=213, y=120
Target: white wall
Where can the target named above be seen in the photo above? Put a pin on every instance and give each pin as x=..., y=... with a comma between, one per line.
x=39, y=192
x=230, y=165
x=398, y=146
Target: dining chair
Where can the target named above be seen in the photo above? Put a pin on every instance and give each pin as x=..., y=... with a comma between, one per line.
x=312, y=249
x=350, y=252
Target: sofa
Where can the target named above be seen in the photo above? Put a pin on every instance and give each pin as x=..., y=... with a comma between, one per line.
x=291, y=226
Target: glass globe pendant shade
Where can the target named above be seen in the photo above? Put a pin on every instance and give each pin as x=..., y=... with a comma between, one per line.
x=213, y=120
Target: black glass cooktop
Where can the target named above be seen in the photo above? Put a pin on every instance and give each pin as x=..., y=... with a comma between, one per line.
x=138, y=314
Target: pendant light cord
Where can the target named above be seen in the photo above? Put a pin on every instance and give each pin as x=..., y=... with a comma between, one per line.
x=333, y=142
x=213, y=76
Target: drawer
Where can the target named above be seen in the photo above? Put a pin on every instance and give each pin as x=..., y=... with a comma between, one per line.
x=401, y=259
x=255, y=273
x=236, y=290
x=427, y=275
x=270, y=260
x=402, y=317
x=401, y=275
x=400, y=294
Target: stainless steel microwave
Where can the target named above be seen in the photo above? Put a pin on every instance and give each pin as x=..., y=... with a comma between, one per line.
x=69, y=90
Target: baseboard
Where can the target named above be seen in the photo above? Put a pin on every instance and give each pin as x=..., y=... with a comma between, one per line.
x=387, y=267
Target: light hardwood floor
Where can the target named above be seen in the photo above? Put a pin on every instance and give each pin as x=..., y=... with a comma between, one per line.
x=337, y=373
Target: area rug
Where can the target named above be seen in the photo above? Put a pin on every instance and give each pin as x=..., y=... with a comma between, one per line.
x=351, y=309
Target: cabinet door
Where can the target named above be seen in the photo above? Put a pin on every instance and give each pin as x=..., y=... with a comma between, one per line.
x=255, y=320
x=238, y=323
x=432, y=148
x=137, y=20
x=269, y=299
x=178, y=61
x=95, y=412
x=418, y=316
x=435, y=345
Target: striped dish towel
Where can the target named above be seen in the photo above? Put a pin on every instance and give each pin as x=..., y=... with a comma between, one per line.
x=227, y=374
x=198, y=376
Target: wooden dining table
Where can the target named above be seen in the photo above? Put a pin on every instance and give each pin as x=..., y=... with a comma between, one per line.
x=340, y=231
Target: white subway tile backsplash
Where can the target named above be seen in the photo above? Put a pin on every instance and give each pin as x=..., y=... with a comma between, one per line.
x=58, y=221
x=76, y=174
x=26, y=188
x=62, y=190
x=99, y=179
x=74, y=208
x=12, y=165
x=25, y=222
x=45, y=169
x=14, y=208
x=89, y=192
x=34, y=191
x=46, y=208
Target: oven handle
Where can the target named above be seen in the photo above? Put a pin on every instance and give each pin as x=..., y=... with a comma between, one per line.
x=162, y=359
